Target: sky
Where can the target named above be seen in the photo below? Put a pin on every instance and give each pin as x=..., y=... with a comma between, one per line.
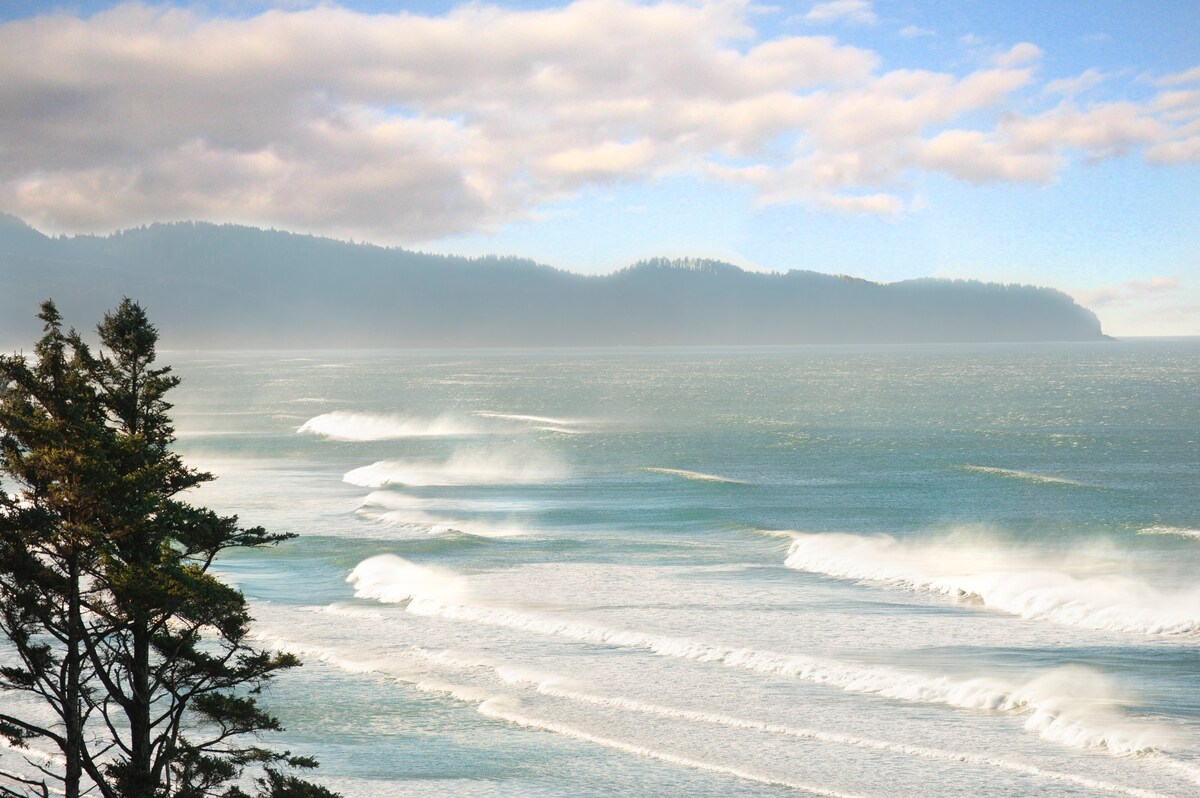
x=1055, y=143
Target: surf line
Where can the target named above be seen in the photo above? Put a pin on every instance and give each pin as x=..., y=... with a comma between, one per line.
x=492, y=708
x=546, y=685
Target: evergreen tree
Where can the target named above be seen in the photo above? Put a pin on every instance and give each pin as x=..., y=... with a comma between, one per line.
x=52, y=442
x=164, y=696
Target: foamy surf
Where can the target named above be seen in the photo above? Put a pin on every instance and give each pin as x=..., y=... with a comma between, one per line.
x=567, y=689
x=464, y=467
x=696, y=476
x=1024, y=583
x=1073, y=706
x=344, y=425
x=1027, y=476
x=500, y=709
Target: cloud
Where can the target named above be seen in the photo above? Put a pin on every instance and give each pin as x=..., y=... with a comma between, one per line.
x=857, y=11
x=915, y=31
x=405, y=127
x=1018, y=55
x=1156, y=288
x=1189, y=76
x=1089, y=79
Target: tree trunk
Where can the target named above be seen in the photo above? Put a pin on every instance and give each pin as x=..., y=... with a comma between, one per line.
x=72, y=704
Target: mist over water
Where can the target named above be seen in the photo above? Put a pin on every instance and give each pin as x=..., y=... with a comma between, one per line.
x=825, y=571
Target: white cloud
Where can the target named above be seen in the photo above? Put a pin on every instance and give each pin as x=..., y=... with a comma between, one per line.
x=405, y=128
x=915, y=31
x=1018, y=55
x=1188, y=76
x=1156, y=288
x=1089, y=79
x=857, y=11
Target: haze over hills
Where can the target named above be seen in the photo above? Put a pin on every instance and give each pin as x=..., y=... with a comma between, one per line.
x=228, y=286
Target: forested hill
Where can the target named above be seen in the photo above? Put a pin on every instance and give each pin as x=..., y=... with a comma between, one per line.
x=226, y=286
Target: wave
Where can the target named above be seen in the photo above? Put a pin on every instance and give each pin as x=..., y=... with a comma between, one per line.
x=569, y=689
x=695, y=475
x=1012, y=473
x=413, y=511
x=560, y=430
x=344, y=425
x=464, y=467
x=564, y=688
x=394, y=580
x=1023, y=583
x=1176, y=531
x=499, y=709
x=432, y=524
x=554, y=422
x=1073, y=705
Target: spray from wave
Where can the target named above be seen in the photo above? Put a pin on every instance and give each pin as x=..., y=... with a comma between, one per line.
x=464, y=467
x=1073, y=706
x=1023, y=583
x=343, y=425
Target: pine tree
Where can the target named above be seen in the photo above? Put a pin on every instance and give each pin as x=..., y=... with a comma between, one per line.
x=167, y=678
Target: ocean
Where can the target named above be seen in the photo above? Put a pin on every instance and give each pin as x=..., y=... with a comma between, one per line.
x=831, y=571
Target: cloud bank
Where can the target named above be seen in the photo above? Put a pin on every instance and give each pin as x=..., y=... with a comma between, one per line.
x=408, y=128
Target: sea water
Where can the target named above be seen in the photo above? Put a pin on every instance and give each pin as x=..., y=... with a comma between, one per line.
x=841, y=571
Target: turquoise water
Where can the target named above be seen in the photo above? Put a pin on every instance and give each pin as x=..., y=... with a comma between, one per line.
x=875, y=571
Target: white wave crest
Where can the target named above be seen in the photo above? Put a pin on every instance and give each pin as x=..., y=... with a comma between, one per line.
x=924, y=752
x=1023, y=583
x=1013, y=473
x=344, y=425
x=1176, y=531
x=433, y=524
x=1073, y=706
x=394, y=580
x=695, y=475
x=464, y=467
x=554, y=422
x=568, y=689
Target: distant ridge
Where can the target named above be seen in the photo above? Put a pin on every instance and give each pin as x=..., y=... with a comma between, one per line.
x=229, y=286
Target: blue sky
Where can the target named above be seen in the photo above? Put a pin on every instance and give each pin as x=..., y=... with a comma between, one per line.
x=1053, y=143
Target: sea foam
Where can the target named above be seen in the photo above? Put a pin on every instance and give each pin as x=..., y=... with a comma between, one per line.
x=1072, y=705
x=1024, y=583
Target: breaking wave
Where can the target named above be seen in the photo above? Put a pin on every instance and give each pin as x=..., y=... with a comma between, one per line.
x=414, y=517
x=695, y=475
x=501, y=709
x=464, y=467
x=554, y=422
x=1023, y=583
x=1071, y=705
x=1012, y=473
x=344, y=425
x=1175, y=531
